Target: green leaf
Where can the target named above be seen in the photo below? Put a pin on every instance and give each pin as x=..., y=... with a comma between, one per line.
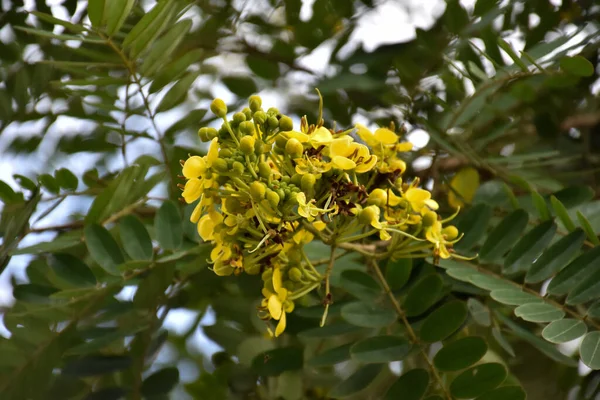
x=502, y=341
x=262, y=67
x=25, y=182
x=574, y=196
x=588, y=350
x=398, y=272
x=586, y=291
x=367, y=315
x=529, y=248
x=511, y=53
x=504, y=236
x=423, y=295
x=149, y=27
x=241, y=86
x=577, y=65
x=504, y=393
x=274, y=362
x=380, y=349
x=564, y=330
x=48, y=182
x=412, y=385
x=489, y=282
x=479, y=312
x=444, y=321
x=96, y=12
x=561, y=212
x=32, y=293
x=555, y=257
x=160, y=382
x=152, y=288
x=161, y=51
x=96, y=365
x=175, y=69
x=56, y=21
x=331, y=356
x=578, y=271
x=135, y=238
x=66, y=179
x=118, y=11
x=168, y=226
x=360, y=284
x=336, y=329
x=594, y=310
x=514, y=297
x=71, y=270
x=473, y=224
x=540, y=205
x=8, y=195
x=539, y=312
x=587, y=228
x=478, y=380
x=103, y=248
x=460, y=354
x=357, y=382
x=178, y=92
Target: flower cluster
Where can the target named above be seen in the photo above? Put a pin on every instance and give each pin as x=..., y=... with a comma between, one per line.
x=265, y=190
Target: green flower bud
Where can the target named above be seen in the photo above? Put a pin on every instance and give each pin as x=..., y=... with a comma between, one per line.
x=273, y=122
x=233, y=205
x=239, y=117
x=429, y=218
x=218, y=108
x=211, y=133
x=450, y=232
x=285, y=179
x=247, y=128
x=253, y=158
x=264, y=170
x=273, y=198
x=248, y=113
x=295, y=274
x=291, y=197
x=258, y=190
x=367, y=215
x=255, y=103
x=267, y=275
x=307, y=183
x=281, y=194
x=286, y=123
x=260, y=117
x=280, y=142
x=296, y=179
x=272, y=111
x=247, y=145
x=225, y=153
x=238, y=168
x=378, y=197
x=294, y=148
x=202, y=134
x=220, y=165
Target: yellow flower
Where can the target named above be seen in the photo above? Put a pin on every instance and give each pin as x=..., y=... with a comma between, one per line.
x=207, y=224
x=382, y=136
x=278, y=303
x=320, y=137
x=312, y=165
x=303, y=237
x=347, y=155
x=420, y=200
x=308, y=210
x=195, y=169
x=435, y=235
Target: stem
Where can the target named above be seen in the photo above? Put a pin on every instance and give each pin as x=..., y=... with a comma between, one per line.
x=328, y=298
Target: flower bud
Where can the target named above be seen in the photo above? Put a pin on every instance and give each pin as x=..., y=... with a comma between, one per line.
x=273, y=122
x=273, y=199
x=220, y=165
x=378, y=197
x=367, y=215
x=429, y=218
x=248, y=113
x=233, y=205
x=280, y=142
x=450, y=232
x=218, y=108
x=225, y=153
x=295, y=274
x=296, y=179
x=247, y=145
x=264, y=170
x=286, y=123
x=247, y=128
x=238, y=168
x=239, y=117
x=258, y=190
x=294, y=148
x=281, y=194
x=255, y=103
x=260, y=117
x=267, y=275
x=307, y=183
x=272, y=112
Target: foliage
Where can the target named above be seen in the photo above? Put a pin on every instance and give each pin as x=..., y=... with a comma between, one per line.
x=512, y=143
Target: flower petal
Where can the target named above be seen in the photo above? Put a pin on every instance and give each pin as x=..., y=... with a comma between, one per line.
x=206, y=228
x=343, y=163
x=277, y=281
x=275, y=307
x=192, y=190
x=385, y=136
x=280, y=326
x=193, y=167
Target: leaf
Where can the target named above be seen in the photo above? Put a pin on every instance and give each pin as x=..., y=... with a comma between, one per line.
x=49, y=183
x=539, y=312
x=56, y=21
x=561, y=212
x=504, y=393
x=161, y=51
x=577, y=65
x=489, y=282
x=478, y=380
x=574, y=196
x=178, y=92
x=398, y=272
x=444, y=321
x=460, y=354
x=479, y=312
x=152, y=288
x=540, y=205
x=359, y=284
x=160, y=382
x=587, y=228
x=174, y=69
x=514, y=297
x=589, y=350
x=502, y=341
x=118, y=11
x=555, y=257
x=528, y=249
x=512, y=54
x=504, y=236
x=357, y=382
x=463, y=186
x=66, y=179
x=32, y=293
x=473, y=224
x=103, y=248
x=262, y=67
x=412, y=385
x=135, y=238
x=168, y=226
x=336, y=329
x=586, y=291
x=578, y=271
x=331, y=356
x=96, y=12
x=149, y=28
x=564, y=330
x=274, y=362
x=367, y=315
x=422, y=295
x=71, y=270
x=241, y=86
x=380, y=349
x=96, y=365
